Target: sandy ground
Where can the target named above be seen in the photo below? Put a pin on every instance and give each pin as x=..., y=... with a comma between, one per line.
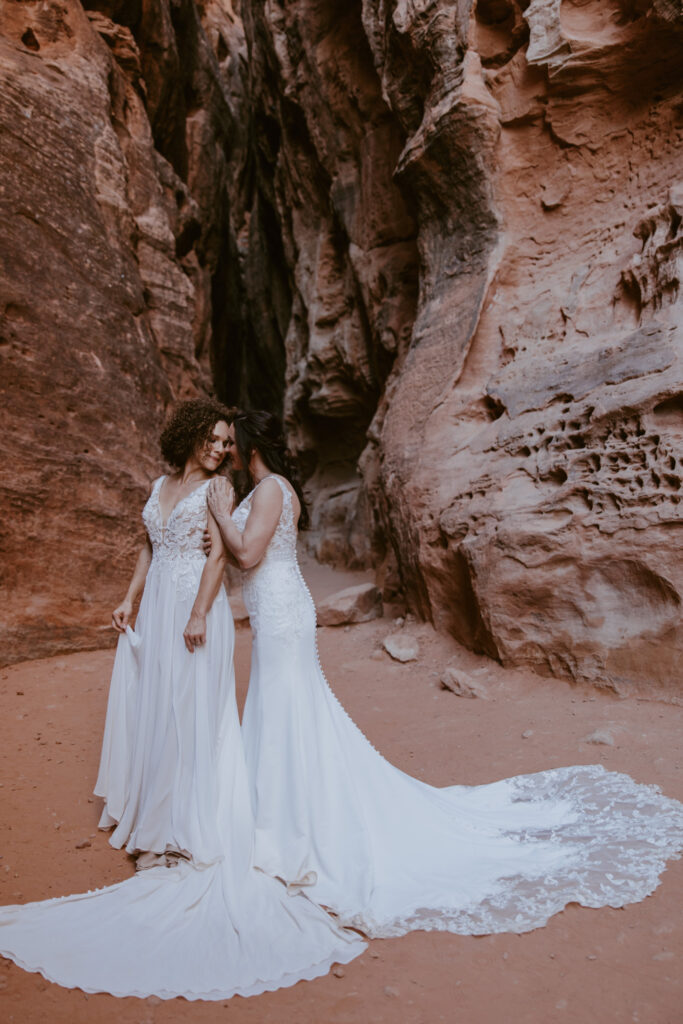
x=587, y=966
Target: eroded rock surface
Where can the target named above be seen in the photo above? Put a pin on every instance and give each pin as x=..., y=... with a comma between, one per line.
x=481, y=208
x=115, y=125
x=443, y=237
x=545, y=526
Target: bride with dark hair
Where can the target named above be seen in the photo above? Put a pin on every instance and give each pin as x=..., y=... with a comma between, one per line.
x=386, y=852
x=199, y=922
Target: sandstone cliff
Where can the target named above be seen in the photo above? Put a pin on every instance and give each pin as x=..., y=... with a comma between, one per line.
x=482, y=210
x=444, y=237
x=113, y=212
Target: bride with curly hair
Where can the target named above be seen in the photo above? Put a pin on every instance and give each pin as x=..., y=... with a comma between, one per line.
x=199, y=921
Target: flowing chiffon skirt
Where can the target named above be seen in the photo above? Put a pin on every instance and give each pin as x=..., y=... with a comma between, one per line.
x=167, y=714
x=173, y=776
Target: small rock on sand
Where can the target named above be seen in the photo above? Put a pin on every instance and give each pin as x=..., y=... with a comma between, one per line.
x=462, y=685
x=602, y=737
x=402, y=646
x=354, y=604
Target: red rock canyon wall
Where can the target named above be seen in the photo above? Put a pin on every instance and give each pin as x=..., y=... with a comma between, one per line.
x=444, y=237
x=115, y=149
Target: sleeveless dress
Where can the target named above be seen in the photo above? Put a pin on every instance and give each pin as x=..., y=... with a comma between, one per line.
x=388, y=853
x=173, y=777
x=167, y=707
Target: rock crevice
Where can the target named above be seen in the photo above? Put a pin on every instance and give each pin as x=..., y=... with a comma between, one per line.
x=443, y=239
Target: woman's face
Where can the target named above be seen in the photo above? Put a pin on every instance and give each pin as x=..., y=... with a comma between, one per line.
x=213, y=452
x=233, y=454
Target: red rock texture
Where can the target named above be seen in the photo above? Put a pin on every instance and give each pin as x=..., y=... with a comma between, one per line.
x=493, y=304
x=544, y=482
x=107, y=258
x=443, y=237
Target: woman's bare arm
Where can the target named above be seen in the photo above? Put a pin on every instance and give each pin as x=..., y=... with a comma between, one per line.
x=247, y=547
x=121, y=615
x=194, y=634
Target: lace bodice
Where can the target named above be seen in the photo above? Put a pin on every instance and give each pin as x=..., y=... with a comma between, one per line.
x=274, y=591
x=177, y=545
x=282, y=546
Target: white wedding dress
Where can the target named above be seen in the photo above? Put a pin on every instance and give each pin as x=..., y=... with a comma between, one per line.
x=174, y=779
x=388, y=853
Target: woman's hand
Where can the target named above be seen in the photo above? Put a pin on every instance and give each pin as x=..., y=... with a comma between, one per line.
x=194, y=634
x=121, y=616
x=221, y=498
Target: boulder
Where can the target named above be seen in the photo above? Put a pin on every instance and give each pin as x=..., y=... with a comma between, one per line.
x=353, y=604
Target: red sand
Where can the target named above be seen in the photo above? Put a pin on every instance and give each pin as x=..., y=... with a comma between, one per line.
x=587, y=966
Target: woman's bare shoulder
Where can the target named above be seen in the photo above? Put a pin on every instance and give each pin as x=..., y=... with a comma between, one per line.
x=268, y=491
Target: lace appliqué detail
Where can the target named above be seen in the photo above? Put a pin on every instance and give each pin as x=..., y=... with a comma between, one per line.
x=274, y=592
x=616, y=835
x=177, y=547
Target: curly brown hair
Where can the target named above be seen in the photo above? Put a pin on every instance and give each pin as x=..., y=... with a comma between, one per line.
x=190, y=427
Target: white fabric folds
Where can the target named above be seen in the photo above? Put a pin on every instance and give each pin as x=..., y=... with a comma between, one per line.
x=389, y=853
x=173, y=777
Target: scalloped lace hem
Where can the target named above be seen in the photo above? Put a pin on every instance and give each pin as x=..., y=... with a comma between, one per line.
x=614, y=842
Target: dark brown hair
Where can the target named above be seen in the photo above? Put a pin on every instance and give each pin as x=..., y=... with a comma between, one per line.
x=189, y=428
x=262, y=432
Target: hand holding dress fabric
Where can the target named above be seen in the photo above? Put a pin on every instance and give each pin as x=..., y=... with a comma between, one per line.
x=120, y=617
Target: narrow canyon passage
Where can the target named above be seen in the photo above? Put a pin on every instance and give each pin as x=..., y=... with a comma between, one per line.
x=442, y=239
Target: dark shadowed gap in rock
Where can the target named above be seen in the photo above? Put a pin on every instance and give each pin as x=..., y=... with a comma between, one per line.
x=288, y=191
x=187, y=238
x=460, y=613
x=500, y=31
x=670, y=411
x=164, y=73
x=228, y=325
x=30, y=41
x=339, y=442
x=494, y=407
x=222, y=49
x=294, y=127
x=250, y=314
x=123, y=12
x=494, y=12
